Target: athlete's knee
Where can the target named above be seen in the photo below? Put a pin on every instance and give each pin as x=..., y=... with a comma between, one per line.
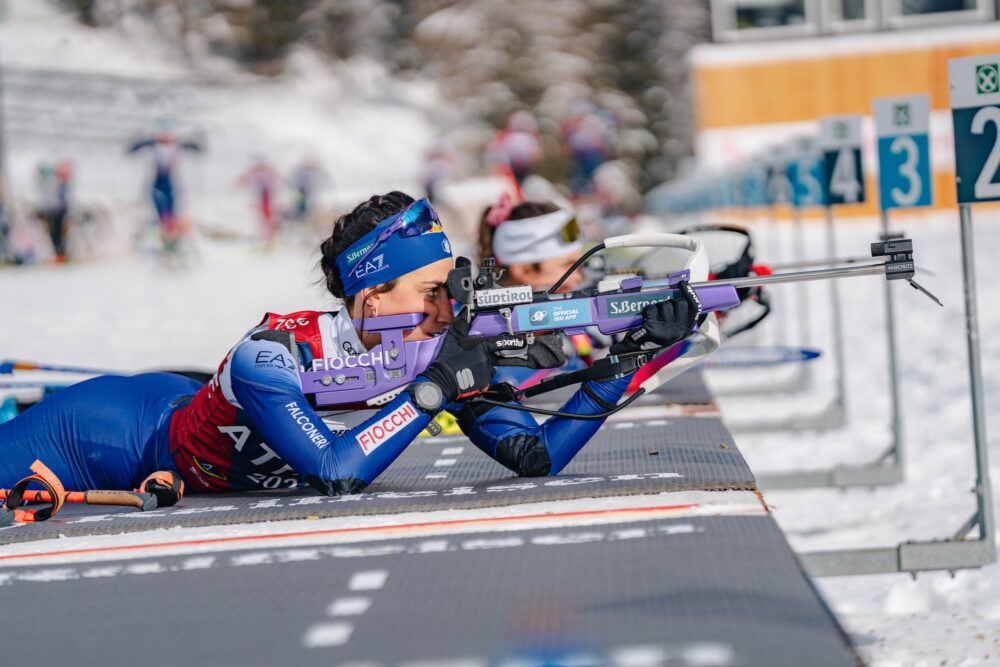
x=524, y=454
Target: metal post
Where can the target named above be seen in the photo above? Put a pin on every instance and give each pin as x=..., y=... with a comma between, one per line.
x=956, y=552
x=3, y=146
x=774, y=241
x=802, y=296
x=803, y=290
x=983, y=492
x=896, y=450
x=839, y=402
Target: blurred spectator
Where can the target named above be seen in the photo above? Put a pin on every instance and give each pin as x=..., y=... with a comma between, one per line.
x=437, y=168
x=516, y=148
x=588, y=134
x=262, y=180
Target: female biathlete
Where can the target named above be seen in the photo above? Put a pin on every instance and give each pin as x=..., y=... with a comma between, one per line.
x=251, y=426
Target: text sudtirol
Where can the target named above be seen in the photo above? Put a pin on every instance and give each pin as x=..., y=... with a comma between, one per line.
x=504, y=296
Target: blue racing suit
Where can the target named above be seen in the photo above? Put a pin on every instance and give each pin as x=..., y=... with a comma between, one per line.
x=251, y=426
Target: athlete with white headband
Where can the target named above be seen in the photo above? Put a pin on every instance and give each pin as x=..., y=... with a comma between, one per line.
x=534, y=241
x=252, y=427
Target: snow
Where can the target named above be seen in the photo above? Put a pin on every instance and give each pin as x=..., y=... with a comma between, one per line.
x=894, y=620
x=85, y=95
x=370, y=132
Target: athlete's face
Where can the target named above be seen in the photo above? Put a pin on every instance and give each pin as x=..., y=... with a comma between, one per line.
x=421, y=291
x=546, y=272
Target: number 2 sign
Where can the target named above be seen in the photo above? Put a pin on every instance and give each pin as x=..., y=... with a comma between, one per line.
x=975, y=115
x=840, y=141
x=904, y=156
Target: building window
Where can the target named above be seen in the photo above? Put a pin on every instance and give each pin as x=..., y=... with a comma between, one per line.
x=752, y=14
x=849, y=15
x=738, y=20
x=852, y=10
x=917, y=13
x=914, y=7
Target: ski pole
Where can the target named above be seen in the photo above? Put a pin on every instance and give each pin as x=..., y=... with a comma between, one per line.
x=162, y=488
x=141, y=501
x=34, y=385
x=8, y=366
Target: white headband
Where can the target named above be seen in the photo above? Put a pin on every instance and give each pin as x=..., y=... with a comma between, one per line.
x=533, y=239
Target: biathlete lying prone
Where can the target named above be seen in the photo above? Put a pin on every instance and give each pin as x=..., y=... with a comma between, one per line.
x=252, y=426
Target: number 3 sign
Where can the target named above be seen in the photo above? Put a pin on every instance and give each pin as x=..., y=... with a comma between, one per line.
x=975, y=114
x=904, y=156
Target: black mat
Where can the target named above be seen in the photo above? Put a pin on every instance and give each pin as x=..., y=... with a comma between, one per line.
x=700, y=591
x=686, y=389
x=627, y=458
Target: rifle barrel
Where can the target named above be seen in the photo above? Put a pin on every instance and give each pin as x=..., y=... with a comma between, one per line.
x=799, y=276
x=805, y=263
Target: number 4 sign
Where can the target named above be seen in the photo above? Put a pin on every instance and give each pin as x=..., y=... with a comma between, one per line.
x=975, y=114
x=840, y=141
x=904, y=157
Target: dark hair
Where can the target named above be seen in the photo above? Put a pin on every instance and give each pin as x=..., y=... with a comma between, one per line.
x=526, y=209
x=349, y=228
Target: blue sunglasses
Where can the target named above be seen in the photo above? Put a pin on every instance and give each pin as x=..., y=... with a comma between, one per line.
x=416, y=219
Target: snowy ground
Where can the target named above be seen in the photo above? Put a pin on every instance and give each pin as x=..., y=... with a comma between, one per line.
x=894, y=620
x=127, y=313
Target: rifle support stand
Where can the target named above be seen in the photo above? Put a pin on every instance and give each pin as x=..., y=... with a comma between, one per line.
x=888, y=467
x=955, y=552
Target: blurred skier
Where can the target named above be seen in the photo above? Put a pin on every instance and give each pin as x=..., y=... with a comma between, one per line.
x=53, y=204
x=516, y=149
x=305, y=179
x=262, y=180
x=6, y=254
x=166, y=149
x=437, y=167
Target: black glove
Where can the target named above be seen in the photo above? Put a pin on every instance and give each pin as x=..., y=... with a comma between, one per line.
x=167, y=486
x=545, y=351
x=464, y=366
x=663, y=323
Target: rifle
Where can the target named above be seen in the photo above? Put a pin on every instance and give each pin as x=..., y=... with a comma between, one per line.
x=520, y=313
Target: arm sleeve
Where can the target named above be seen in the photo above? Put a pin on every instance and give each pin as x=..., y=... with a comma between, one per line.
x=265, y=381
x=514, y=439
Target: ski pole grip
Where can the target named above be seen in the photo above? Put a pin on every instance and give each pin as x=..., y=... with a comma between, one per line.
x=141, y=501
x=45, y=478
